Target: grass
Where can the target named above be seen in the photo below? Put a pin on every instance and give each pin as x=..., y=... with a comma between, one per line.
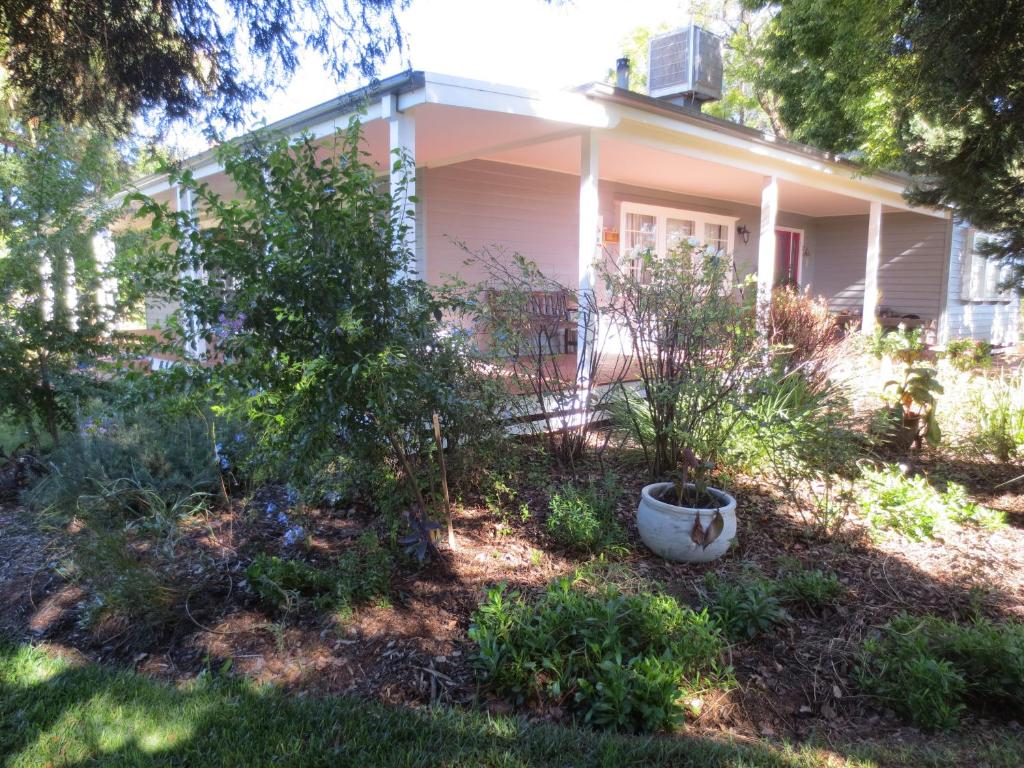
x=53, y=713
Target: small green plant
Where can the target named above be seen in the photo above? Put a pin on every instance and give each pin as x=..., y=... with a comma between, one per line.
x=968, y=354
x=812, y=589
x=930, y=669
x=583, y=519
x=903, y=345
x=619, y=661
x=998, y=407
x=910, y=506
x=746, y=607
x=360, y=575
x=916, y=395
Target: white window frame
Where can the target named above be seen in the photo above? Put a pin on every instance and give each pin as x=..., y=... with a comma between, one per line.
x=989, y=273
x=800, y=255
x=662, y=212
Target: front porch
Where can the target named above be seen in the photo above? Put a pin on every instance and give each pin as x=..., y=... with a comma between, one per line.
x=567, y=178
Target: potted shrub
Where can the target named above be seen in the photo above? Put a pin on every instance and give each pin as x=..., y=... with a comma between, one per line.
x=695, y=348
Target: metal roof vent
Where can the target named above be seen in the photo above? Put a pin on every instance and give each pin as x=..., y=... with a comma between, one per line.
x=685, y=66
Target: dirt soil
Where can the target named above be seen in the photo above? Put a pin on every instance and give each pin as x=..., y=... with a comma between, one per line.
x=794, y=683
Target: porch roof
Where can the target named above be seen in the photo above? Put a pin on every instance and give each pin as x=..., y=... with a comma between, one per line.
x=644, y=142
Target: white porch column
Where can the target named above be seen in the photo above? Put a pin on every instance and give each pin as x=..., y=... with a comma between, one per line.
x=766, y=246
x=402, y=148
x=103, y=251
x=195, y=345
x=589, y=221
x=868, y=322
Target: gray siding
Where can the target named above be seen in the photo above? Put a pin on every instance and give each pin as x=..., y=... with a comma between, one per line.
x=911, y=265
x=994, y=321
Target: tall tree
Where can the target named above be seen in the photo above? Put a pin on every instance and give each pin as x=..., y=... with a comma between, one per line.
x=931, y=87
x=58, y=308
x=77, y=60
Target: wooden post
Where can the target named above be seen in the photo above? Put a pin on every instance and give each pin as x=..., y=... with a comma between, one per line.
x=444, y=482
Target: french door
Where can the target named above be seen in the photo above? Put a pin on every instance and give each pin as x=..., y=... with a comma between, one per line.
x=788, y=248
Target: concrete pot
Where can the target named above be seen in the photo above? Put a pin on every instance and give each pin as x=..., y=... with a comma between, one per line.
x=669, y=530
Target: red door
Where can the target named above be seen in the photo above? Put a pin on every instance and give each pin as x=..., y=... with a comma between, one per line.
x=787, y=257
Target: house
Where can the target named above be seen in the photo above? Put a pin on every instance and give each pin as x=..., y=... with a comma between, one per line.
x=561, y=177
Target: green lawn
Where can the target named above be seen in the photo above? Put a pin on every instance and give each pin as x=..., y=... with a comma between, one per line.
x=53, y=713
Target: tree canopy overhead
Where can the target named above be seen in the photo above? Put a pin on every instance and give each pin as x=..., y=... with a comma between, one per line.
x=931, y=87
x=107, y=60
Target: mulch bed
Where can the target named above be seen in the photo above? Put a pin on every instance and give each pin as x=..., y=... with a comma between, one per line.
x=795, y=682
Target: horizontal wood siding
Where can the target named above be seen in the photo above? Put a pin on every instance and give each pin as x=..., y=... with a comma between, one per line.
x=534, y=212
x=911, y=266
x=993, y=321
x=524, y=210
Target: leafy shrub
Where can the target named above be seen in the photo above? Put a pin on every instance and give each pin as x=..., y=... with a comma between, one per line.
x=910, y=506
x=744, y=608
x=584, y=519
x=803, y=333
x=903, y=345
x=618, y=661
x=695, y=347
x=813, y=589
x=363, y=368
x=967, y=354
x=795, y=432
x=929, y=668
x=359, y=575
x=998, y=407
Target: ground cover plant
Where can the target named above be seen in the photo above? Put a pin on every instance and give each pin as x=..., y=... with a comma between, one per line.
x=932, y=669
x=362, y=573
x=584, y=518
x=619, y=661
x=911, y=506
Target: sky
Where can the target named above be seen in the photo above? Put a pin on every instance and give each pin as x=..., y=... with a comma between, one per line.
x=528, y=43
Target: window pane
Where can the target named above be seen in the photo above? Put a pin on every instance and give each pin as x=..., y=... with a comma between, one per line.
x=641, y=233
x=677, y=231
x=717, y=236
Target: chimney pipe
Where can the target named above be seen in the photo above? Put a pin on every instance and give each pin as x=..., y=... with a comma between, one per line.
x=622, y=73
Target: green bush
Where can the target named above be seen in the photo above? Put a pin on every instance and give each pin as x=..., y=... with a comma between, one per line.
x=929, y=669
x=967, y=354
x=618, y=661
x=360, y=575
x=746, y=607
x=583, y=519
x=910, y=506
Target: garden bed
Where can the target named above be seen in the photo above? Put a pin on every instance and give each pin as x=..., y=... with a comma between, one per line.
x=794, y=682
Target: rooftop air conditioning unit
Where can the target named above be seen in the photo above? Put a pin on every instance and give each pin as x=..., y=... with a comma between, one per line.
x=685, y=66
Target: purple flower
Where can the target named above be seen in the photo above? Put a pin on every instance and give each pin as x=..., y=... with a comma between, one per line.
x=282, y=518
x=271, y=507
x=293, y=535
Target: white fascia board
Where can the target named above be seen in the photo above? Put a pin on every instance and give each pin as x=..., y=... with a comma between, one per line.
x=558, y=106
x=705, y=143
x=204, y=164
